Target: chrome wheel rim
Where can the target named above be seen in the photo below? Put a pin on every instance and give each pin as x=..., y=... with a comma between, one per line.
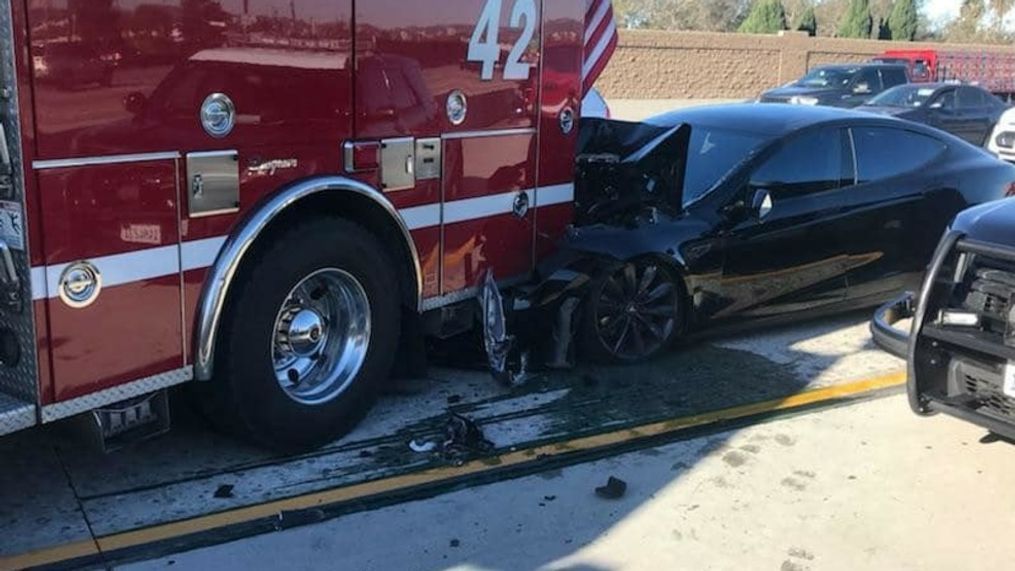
x=636, y=311
x=321, y=335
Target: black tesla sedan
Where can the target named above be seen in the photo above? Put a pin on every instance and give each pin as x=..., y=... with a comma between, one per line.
x=966, y=111
x=708, y=217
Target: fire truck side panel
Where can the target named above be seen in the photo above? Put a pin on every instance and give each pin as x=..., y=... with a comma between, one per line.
x=116, y=79
x=121, y=77
x=563, y=29
x=410, y=60
x=123, y=219
x=484, y=177
x=408, y=64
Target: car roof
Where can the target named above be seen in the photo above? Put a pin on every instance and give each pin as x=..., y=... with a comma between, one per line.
x=935, y=85
x=848, y=66
x=773, y=119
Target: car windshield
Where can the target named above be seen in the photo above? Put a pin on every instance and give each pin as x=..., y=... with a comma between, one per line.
x=826, y=77
x=712, y=154
x=903, y=96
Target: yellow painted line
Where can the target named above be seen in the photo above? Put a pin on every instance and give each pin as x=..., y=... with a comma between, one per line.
x=50, y=555
x=435, y=475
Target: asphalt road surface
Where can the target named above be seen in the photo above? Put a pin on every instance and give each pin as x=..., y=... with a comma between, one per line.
x=864, y=486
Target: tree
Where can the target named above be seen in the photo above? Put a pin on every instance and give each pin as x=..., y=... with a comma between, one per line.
x=1000, y=8
x=858, y=21
x=883, y=31
x=765, y=17
x=807, y=22
x=904, y=20
x=967, y=27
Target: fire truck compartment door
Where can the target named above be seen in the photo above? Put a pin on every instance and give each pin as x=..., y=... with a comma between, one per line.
x=112, y=227
x=463, y=90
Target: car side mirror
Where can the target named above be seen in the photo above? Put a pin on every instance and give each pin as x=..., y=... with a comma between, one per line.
x=761, y=203
x=134, y=102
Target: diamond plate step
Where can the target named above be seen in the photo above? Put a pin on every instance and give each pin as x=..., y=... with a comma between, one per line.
x=15, y=414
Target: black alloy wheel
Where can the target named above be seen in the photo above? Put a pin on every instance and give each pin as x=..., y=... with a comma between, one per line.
x=632, y=313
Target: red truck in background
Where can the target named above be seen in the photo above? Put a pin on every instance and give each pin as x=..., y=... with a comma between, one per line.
x=994, y=71
x=268, y=198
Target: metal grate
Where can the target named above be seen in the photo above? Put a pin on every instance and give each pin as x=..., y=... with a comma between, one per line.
x=988, y=393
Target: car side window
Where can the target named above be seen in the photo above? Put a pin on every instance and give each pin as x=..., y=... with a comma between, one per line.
x=868, y=77
x=893, y=76
x=809, y=163
x=944, y=100
x=884, y=152
x=970, y=98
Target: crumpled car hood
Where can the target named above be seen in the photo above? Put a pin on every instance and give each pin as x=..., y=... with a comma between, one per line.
x=623, y=168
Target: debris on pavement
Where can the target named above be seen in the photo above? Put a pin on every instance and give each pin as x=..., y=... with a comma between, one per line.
x=462, y=439
x=614, y=489
x=224, y=491
x=294, y=518
x=422, y=447
x=455, y=543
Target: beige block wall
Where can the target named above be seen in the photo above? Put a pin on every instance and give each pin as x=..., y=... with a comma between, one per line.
x=705, y=65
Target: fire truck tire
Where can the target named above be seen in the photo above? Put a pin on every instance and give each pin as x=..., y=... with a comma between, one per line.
x=633, y=312
x=308, y=337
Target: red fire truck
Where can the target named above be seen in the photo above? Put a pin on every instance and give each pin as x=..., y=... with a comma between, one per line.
x=269, y=197
x=994, y=71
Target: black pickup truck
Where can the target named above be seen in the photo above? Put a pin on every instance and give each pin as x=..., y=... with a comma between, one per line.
x=960, y=348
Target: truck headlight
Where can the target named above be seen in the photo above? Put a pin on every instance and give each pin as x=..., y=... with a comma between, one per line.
x=803, y=100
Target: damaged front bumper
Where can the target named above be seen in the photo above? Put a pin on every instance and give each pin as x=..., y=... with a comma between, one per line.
x=886, y=335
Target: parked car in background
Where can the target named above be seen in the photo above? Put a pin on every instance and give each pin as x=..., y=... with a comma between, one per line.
x=73, y=65
x=1002, y=138
x=778, y=211
x=960, y=344
x=966, y=111
x=594, y=105
x=839, y=85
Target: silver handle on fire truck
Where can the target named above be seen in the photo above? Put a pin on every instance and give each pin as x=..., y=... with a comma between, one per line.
x=197, y=186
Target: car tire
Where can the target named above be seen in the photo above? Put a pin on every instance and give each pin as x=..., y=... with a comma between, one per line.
x=307, y=339
x=632, y=312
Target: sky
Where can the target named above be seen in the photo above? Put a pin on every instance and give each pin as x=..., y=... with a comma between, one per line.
x=940, y=11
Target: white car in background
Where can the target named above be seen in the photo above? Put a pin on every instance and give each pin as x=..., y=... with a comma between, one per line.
x=594, y=105
x=1002, y=139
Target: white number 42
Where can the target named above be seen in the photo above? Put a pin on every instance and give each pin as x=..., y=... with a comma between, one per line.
x=484, y=46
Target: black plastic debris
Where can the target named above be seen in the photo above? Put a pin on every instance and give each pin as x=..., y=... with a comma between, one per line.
x=455, y=543
x=295, y=518
x=614, y=489
x=224, y=491
x=549, y=498
x=463, y=439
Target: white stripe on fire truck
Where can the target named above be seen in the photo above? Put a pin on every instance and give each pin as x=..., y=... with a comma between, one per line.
x=198, y=254
x=119, y=269
x=151, y=263
x=556, y=194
